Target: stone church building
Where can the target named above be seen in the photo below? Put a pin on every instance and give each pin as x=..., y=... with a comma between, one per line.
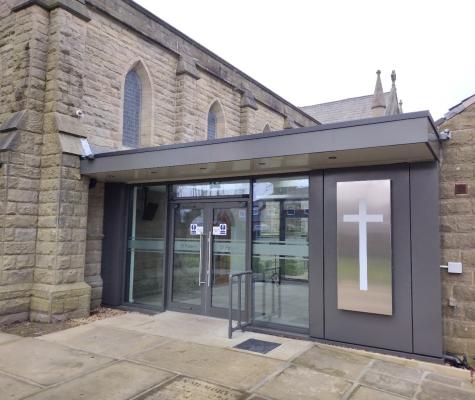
x=139, y=170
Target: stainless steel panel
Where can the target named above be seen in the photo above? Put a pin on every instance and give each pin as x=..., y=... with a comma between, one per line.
x=364, y=266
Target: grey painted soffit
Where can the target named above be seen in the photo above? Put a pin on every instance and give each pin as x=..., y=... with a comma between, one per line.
x=390, y=139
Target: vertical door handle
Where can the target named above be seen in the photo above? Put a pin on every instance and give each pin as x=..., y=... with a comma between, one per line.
x=200, y=273
x=210, y=239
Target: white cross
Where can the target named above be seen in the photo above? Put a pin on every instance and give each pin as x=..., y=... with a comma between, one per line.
x=362, y=218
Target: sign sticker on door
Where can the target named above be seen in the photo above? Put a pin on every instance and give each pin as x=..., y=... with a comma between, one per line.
x=196, y=229
x=221, y=230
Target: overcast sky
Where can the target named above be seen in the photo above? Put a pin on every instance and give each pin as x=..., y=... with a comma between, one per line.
x=316, y=51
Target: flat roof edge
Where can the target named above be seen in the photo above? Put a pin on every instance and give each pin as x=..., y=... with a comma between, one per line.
x=315, y=128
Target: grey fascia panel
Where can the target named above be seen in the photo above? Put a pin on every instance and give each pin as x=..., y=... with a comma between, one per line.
x=301, y=141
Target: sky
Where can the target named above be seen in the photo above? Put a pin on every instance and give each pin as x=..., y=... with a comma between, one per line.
x=313, y=51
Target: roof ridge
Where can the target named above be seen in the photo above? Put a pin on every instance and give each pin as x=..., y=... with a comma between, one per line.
x=339, y=101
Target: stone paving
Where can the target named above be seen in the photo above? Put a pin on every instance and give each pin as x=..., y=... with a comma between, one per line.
x=182, y=356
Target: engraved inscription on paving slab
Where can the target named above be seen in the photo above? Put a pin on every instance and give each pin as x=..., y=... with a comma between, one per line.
x=184, y=388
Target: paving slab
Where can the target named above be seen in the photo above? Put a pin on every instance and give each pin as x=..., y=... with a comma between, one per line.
x=389, y=383
x=119, y=381
x=6, y=337
x=397, y=370
x=185, y=388
x=126, y=321
x=365, y=393
x=214, y=332
x=436, y=391
x=302, y=383
x=13, y=389
x=451, y=381
x=105, y=340
x=46, y=363
x=333, y=361
x=221, y=366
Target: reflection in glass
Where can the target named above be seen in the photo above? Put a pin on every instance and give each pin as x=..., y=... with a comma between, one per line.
x=280, y=250
x=146, y=246
x=364, y=246
x=210, y=189
x=229, y=253
x=186, y=256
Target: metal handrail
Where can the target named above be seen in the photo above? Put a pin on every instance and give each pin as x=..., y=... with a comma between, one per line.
x=240, y=324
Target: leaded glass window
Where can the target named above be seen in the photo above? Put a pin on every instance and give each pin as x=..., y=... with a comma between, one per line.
x=212, y=125
x=132, y=110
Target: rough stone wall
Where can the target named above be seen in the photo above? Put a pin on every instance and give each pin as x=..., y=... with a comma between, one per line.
x=53, y=63
x=179, y=102
x=23, y=48
x=111, y=51
x=265, y=115
x=7, y=24
x=458, y=233
x=59, y=290
x=95, y=217
x=209, y=90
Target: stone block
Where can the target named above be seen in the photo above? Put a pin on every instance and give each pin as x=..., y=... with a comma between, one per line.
x=59, y=302
x=464, y=292
x=464, y=330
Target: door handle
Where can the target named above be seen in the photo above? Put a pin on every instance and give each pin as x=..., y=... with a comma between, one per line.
x=210, y=238
x=200, y=273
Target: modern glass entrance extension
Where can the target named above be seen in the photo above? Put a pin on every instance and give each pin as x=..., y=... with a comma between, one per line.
x=335, y=226
x=216, y=228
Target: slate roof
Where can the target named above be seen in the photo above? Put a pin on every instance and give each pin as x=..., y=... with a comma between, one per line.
x=457, y=109
x=343, y=110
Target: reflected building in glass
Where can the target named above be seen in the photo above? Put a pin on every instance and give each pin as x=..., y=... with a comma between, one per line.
x=146, y=246
x=280, y=250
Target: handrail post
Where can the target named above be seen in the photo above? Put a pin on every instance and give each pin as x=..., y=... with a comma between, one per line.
x=239, y=302
x=240, y=325
x=230, y=294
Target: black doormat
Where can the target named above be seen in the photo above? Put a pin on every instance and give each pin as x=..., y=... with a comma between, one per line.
x=257, y=346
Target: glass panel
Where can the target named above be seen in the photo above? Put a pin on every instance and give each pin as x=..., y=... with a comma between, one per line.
x=212, y=122
x=229, y=253
x=280, y=250
x=364, y=246
x=210, y=189
x=146, y=246
x=132, y=109
x=187, y=255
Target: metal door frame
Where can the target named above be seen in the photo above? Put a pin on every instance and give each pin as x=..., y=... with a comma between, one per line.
x=207, y=205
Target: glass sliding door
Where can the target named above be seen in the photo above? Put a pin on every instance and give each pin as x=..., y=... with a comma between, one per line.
x=280, y=251
x=188, y=256
x=209, y=243
x=146, y=246
x=228, y=252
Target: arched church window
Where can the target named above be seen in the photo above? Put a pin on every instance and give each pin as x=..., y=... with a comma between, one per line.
x=215, y=121
x=132, y=109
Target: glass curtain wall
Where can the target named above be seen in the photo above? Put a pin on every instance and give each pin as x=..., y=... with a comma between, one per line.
x=146, y=246
x=280, y=251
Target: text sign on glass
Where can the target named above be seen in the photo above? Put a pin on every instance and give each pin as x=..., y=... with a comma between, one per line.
x=364, y=267
x=221, y=230
x=196, y=229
